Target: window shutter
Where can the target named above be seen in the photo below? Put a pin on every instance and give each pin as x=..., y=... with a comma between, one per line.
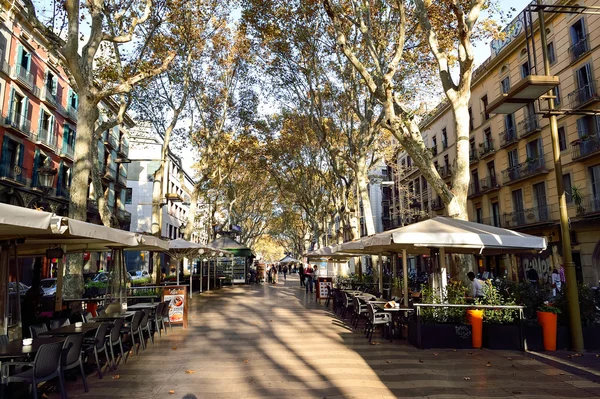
x=5, y=150
x=65, y=136
x=581, y=127
x=597, y=132
x=28, y=58
x=36, y=161
x=54, y=86
x=51, y=129
x=19, y=55
x=21, y=154
x=70, y=97
x=41, y=121
x=25, y=111
x=70, y=176
x=11, y=105
x=59, y=184
x=76, y=96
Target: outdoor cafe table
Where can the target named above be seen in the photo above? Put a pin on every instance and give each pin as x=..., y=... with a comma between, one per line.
x=70, y=330
x=114, y=316
x=15, y=348
x=140, y=306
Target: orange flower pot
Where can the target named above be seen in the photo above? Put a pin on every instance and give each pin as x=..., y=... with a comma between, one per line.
x=548, y=321
x=475, y=319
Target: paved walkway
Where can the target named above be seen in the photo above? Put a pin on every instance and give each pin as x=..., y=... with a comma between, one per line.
x=274, y=341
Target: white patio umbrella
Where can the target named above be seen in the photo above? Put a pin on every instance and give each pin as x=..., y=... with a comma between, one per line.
x=288, y=259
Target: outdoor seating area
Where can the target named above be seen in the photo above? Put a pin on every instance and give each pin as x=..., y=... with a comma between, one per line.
x=80, y=346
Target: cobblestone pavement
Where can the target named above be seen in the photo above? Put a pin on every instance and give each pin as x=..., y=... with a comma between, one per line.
x=275, y=341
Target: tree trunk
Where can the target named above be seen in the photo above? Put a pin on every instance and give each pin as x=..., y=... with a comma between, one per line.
x=457, y=207
x=156, y=219
x=87, y=115
x=363, y=189
x=189, y=229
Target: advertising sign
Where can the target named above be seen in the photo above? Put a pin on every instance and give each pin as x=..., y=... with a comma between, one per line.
x=176, y=299
x=322, y=284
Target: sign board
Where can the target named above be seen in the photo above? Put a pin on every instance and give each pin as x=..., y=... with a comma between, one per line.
x=177, y=300
x=322, y=284
x=509, y=33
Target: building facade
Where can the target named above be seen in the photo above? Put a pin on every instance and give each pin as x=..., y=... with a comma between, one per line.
x=513, y=183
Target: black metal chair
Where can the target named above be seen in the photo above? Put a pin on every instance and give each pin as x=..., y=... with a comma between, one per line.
x=58, y=323
x=36, y=329
x=158, y=319
x=165, y=317
x=328, y=295
x=114, y=338
x=72, y=357
x=87, y=317
x=145, y=325
x=98, y=345
x=45, y=366
x=132, y=330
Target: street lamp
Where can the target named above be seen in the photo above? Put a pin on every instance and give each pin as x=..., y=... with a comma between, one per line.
x=46, y=175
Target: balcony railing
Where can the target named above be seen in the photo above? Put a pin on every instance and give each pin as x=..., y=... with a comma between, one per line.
x=71, y=113
x=508, y=137
x=14, y=173
x=580, y=48
x=486, y=148
x=491, y=222
x=539, y=215
x=528, y=126
x=590, y=206
x=46, y=139
x=19, y=123
x=122, y=180
x=49, y=97
x=23, y=75
x=67, y=151
x=437, y=204
x=111, y=141
x=524, y=170
x=63, y=192
x=123, y=215
x=483, y=186
x=445, y=171
x=473, y=155
x=444, y=144
x=585, y=146
x=583, y=95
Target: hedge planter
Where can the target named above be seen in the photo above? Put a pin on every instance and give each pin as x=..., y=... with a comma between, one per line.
x=563, y=338
x=591, y=337
x=441, y=335
x=534, y=340
x=502, y=336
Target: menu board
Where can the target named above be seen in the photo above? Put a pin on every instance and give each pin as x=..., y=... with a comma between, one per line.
x=176, y=299
x=322, y=284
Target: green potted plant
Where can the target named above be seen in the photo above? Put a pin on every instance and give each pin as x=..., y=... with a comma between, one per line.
x=500, y=327
x=587, y=309
x=577, y=196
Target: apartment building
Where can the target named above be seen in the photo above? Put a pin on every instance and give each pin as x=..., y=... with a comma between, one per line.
x=511, y=162
x=39, y=125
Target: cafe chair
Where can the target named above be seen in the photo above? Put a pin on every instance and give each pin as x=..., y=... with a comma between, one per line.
x=58, y=323
x=145, y=327
x=36, y=329
x=133, y=330
x=45, y=366
x=3, y=339
x=72, y=357
x=114, y=338
x=159, y=323
x=348, y=305
x=97, y=345
x=328, y=287
x=377, y=319
x=165, y=317
x=88, y=317
x=360, y=310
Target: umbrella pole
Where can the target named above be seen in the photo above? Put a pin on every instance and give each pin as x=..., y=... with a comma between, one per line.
x=216, y=266
x=177, y=271
x=4, y=263
x=191, y=286
x=380, y=271
x=208, y=276
x=443, y=273
x=59, y=283
x=405, y=279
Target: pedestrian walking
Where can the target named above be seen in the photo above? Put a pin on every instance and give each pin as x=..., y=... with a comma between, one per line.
x=301, y=274
x=274, y=273
x=285, y=270
x=269, y=275
x=556, y=283
x=308, y=279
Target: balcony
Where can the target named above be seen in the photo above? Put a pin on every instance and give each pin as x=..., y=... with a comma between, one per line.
x=491, y=222
x=445, y=171
x=71, y=113
x=583, y=96
x=473, y=156
x=110, y=141
x=508, y=137
x=63, y=192
x=437, y=204
x=110, y=173
x=124, y=152
x=22, y=75
x=122, y=180
x=123, y=215
x=579, y=49
x=589, y=207
x=585, y=147
x=92, y=205
x=528, y=126
x=18, y=124
x=530, y=217
x=483, y=186
x=47, y=140
x=13, y=173
x=174, y=197
x=525, y=170
x=67, y=151
x=49, y=98
x=486, y=148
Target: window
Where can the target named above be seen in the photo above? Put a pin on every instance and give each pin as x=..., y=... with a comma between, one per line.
x=128, y=195
x=492, y=171
x=12, y=155
x=64, y=178
x=509, y=126
x=73, y=100
x=505, y=85
x=472, y=147
x=496, y=214
x=585, y=85
x=579, y=42
x=434, y=145
x=567, y=185
x=478, y=215
x=562, y=138
x=595, y=178
x=19, y=111
x=487, y=136
x=23, y=65
x=517, y=200
x=444, y=139
x=51, y=84
x=534, y=149
x=471, y=123
x=446, y=161
x=551, y=53
x=540, y=202
x=588, y=126
x=484, y=104
x=513, y=158
x=557, y=95
x=525, y=70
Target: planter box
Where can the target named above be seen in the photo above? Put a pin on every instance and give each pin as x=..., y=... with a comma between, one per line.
x=591, y=337
x=534, y=338
x=502, y=336
x=441, y=335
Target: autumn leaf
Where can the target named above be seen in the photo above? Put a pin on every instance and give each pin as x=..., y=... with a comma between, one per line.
x=420, y=360
x=116, y=377
x=190, y=371
x=488, y=364
x=467, y=378
x=375, y=343
x=172, y=392
x=174, y=348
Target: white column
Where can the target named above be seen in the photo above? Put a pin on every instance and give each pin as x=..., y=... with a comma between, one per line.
x=443, y=272
x=405, y=279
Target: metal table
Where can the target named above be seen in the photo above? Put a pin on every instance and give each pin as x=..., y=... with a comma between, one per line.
x=114, y=316
x=144, y=305
x=70, y=330
x=15, y=349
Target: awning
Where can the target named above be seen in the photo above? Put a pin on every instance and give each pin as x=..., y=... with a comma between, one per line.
x=288, y=259
x=231, y=246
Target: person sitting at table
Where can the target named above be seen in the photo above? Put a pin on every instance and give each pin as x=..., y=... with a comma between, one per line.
x=476, y=288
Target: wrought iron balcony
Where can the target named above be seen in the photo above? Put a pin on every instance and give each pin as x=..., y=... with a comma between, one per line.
x=483, y=186
x=71, y=113
x=586, y=146
x=508, y=137
x=486, y=148
x=67, y=151
x=473, y=155
x=13, y=173
x=528, y=126
x=123, y=215
x=22, y=75
x=46, y=139
x=580, y=48
x=525, y=170
x=18, y=124
x=533, y=216
x=110, y=141
x=583, y=96
x=63, y=192
x=48, y=97
x=437, y=204
x=590, y=206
